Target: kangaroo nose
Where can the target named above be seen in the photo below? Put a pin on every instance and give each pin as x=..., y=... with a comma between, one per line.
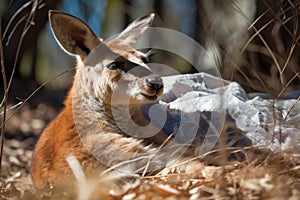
x=155, y=83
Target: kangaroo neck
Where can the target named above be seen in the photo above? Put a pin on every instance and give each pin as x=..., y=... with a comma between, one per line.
x=92, y=113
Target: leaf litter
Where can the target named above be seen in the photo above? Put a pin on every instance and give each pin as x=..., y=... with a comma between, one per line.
x=275, y=176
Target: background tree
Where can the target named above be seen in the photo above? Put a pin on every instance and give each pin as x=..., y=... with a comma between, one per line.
x=22, y=23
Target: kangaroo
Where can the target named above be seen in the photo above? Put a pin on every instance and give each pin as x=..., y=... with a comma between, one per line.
x=111, y=76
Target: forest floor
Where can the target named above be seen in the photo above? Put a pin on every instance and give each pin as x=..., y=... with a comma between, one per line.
x=275, y=176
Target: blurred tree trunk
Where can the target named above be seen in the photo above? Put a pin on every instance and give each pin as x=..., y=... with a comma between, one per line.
x=14, y=20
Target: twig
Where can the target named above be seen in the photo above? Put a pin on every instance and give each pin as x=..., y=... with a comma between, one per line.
x=286, y=86
x=23, y=101
x=5, y=97
x=12, y=107
x=258, y=33
x=27, y=26
x=290, y=54
x=14, y=16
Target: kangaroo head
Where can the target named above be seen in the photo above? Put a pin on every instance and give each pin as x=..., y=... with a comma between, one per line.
x=108, y=68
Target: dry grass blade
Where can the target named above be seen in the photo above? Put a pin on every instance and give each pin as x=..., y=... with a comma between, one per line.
x=12, y=19
x=287, y=84
x=283, y=18
x=12, y=107
x=5, y=97
x=295, y=9
x=28, y=23
x=290, y=55
x=23, y=101
x=288, y=113
x=271, y=53
x=257, y=33
x=26, y=28
x=237, y=68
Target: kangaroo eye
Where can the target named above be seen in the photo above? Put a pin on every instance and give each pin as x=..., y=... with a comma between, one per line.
x=115, y=65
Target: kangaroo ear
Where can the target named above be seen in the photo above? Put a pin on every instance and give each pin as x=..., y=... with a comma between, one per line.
x=134, y=30
x=73, y=35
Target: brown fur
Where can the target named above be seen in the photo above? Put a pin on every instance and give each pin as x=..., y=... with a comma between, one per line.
x=88, y=110
x=57, y=141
